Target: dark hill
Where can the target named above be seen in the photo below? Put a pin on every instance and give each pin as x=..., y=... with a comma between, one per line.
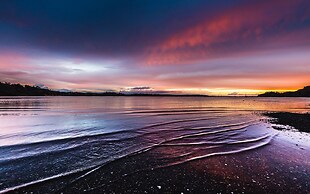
x=305, y=92
x=8, y=89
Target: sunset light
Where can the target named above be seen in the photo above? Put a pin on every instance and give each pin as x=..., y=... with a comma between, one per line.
x=241, y=47
x=155, y=96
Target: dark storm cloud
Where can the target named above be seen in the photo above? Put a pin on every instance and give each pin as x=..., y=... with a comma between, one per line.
x=118, y=27
x=141, y=88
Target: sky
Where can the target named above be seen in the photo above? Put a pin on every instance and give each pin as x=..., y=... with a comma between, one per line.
x=223, y=47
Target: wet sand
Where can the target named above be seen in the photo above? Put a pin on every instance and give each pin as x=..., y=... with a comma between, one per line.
x=256, y=172
x=279, y=167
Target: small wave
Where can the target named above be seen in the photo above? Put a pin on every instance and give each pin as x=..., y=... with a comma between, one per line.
x=174, y=136
x=258, y=145
x=187, y=157
x=11, y=189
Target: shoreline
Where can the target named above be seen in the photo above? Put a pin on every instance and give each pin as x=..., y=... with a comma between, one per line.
x=279, y=167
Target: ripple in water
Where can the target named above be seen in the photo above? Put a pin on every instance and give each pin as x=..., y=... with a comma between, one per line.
x=57, y=137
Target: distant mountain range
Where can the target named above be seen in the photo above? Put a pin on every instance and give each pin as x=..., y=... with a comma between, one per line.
x=305, y=92
x=8, y=89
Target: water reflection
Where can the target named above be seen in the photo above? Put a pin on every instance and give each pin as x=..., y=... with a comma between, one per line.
x=40, y=137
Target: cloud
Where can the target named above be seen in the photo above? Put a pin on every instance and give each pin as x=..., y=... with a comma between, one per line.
x=94, y=28
x=136, y=45
x=139, y=88
x=42, y=86
x=146, y=90
x=233, y=94
x=248, y=26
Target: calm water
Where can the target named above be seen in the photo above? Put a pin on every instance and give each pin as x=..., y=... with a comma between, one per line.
x=45, y=138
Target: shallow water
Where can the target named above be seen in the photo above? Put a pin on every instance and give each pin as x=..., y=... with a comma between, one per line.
x=45, y=138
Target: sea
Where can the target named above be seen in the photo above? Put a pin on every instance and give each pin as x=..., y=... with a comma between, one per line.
x=44, y=139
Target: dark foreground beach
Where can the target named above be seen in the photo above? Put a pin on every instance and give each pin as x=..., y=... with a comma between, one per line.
x=162, y=145
x=299, y=121
x=282, y=167
x=248, y=172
